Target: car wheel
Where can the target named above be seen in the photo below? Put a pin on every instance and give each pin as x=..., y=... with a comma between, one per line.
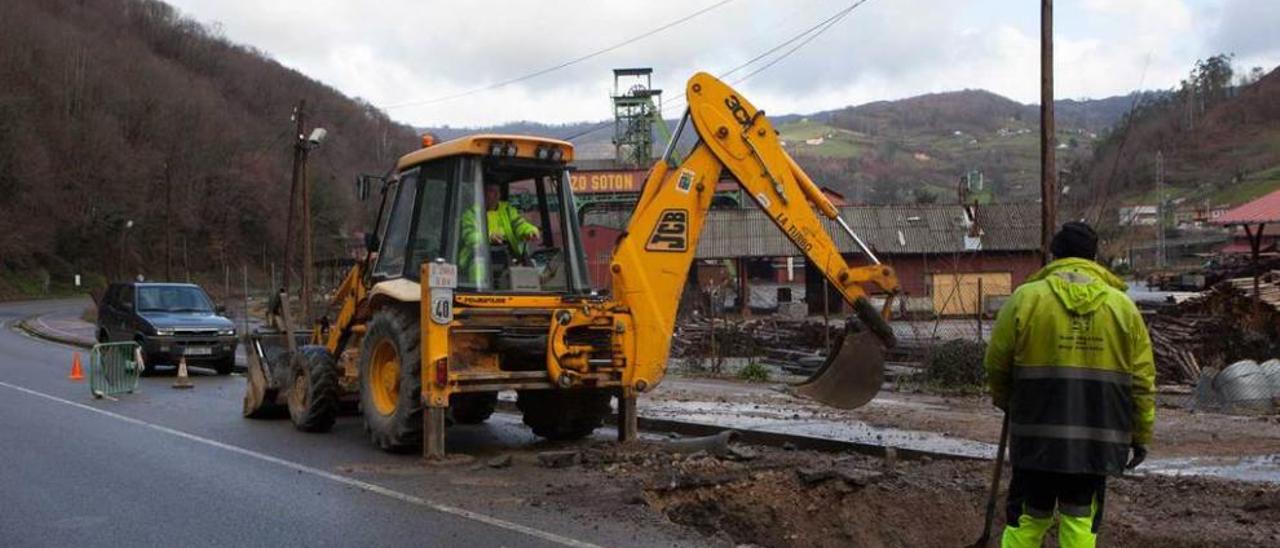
x=224, y=367
x=148, y=360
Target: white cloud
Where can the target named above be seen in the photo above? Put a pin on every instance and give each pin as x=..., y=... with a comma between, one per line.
x=396, y=51
x=1248, y=29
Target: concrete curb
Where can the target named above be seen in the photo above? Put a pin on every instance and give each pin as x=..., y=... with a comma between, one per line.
x=26, y=325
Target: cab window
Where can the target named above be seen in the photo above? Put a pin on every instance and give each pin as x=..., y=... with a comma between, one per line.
x=391, y=255
x=526, y=243
x=431, y=222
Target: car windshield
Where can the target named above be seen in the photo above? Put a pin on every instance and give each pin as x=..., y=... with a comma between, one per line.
x=173, y=299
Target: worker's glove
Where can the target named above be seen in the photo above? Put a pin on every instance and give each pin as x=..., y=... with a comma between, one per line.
x=1138, y=454
x=532, y=236
x=495, y=238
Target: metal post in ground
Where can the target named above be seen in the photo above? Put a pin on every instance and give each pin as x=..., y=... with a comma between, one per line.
x=245, y=278
x=627, y=423
x=981, y=308
x=433, y=432
x=226, y=278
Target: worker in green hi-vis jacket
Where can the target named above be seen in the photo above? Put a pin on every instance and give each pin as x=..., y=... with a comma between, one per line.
x=1070, y=363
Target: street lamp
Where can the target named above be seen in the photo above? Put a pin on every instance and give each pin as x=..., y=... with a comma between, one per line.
x=124, y=264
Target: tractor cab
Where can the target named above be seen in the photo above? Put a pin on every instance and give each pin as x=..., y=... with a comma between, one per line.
x=499, y=207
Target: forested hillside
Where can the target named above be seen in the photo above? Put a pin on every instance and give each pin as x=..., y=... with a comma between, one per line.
x=1219, y=135
x=114, y=111
x=908, y=149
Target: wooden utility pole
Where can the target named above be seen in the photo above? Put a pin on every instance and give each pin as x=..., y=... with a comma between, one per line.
x=1160, y=206
x=307, y=274
x=1048, y=141
x=168, y=223
x=298, y=114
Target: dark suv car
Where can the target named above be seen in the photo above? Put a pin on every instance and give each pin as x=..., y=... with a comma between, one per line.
x=169, y=321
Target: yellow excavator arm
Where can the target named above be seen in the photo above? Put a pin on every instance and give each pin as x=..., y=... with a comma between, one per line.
x=652, y=259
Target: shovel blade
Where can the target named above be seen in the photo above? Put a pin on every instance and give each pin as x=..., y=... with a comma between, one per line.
x=852, y=374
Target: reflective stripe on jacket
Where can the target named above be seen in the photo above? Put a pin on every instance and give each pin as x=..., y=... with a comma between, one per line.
x=1070, y=357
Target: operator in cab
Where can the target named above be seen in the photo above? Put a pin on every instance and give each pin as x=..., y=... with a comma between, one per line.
x=506, y=225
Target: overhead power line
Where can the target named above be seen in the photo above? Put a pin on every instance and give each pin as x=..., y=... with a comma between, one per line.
x=803, y=37
x=568, y=63
x=821, y=28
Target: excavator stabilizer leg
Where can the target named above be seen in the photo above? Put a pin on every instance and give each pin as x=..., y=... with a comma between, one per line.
x=854, y=370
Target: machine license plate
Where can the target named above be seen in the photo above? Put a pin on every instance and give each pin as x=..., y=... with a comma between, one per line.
x=197, y=351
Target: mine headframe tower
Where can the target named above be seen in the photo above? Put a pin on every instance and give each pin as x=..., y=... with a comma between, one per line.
x=637, y=107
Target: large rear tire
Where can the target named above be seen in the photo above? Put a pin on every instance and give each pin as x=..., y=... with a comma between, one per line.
x=563, y=414
x=472, y=408
x=313, y=394
x=391, y=379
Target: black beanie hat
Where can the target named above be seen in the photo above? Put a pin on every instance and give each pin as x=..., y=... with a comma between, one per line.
x=1076, y=239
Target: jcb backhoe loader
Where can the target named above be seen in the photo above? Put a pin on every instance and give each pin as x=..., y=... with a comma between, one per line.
x=443, y=314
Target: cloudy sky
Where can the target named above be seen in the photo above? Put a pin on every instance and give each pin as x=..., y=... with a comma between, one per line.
x=406, y=55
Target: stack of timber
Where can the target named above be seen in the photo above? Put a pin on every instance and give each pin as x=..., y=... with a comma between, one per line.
x=1224, y=324
x=781, y=339
x=1172, y=341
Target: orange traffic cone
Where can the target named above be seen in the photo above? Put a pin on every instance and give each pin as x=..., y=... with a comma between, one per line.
x=77, y=373
x=183, y=381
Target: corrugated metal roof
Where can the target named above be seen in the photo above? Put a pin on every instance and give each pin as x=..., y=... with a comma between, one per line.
x=893, y=229
x=1263, y=210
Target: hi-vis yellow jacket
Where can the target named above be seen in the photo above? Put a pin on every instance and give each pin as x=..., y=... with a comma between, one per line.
x=1070, y=360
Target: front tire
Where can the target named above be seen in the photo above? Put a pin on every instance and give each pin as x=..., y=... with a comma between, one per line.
x=391, y=379
x=313, y=394
x=563, y=414
x=472, y=408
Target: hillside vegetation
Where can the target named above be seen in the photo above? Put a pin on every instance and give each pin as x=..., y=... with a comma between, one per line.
x=917, y=149
x=1219, y=134
x=904, y=150
x=122, y=110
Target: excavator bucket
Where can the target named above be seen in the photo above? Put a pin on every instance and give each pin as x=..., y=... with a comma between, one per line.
x=854, y=370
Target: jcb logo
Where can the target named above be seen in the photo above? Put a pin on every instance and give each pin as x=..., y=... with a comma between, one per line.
x=739, y=112
x=671, y=233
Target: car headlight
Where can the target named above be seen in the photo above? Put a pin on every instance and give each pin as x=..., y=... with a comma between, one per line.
x=164, y=332
x=227, y=332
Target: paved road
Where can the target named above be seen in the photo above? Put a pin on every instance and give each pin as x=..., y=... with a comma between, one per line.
x=181, y=468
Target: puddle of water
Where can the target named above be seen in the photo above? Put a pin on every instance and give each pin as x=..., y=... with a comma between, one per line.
x=1262, y=468
x=784, y=420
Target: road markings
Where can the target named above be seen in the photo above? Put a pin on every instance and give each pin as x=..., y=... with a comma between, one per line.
x=362, y=485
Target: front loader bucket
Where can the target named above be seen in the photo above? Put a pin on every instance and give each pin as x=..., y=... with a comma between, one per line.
x=854, y=369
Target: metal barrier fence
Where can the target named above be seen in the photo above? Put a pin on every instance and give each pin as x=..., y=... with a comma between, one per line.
x=114, y=368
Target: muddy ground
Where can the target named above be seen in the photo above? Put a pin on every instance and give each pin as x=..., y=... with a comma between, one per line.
x=1179, y=432
x=776, y=497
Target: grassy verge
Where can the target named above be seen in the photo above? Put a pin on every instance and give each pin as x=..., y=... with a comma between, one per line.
x=39, y=284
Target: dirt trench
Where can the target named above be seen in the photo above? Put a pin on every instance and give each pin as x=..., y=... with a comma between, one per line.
x=799, y=498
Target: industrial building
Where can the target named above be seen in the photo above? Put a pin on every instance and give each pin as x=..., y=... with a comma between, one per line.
x=946, y=255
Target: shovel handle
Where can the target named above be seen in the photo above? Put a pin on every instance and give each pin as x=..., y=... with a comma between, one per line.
x=995, y=482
